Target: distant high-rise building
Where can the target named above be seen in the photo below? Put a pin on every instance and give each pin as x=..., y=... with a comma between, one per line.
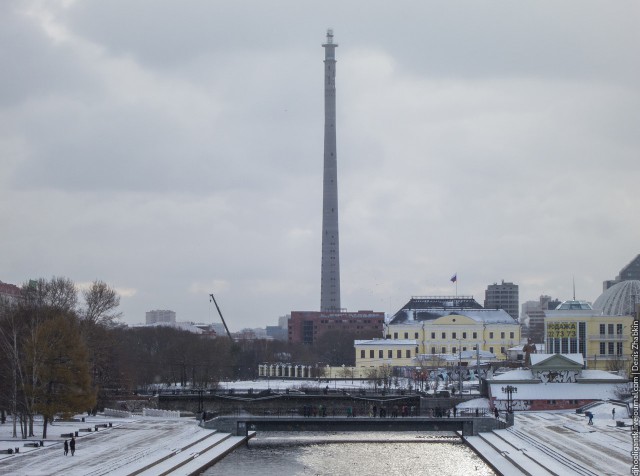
x=503, y=296
x=330, y=269
x=629, y=272
x=154, y=317
x=535, y=312
x=283, y=321
x=277, y=332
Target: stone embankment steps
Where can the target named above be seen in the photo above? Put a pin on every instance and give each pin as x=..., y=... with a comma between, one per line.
x=185, y=455
x=195, y=466
x=514, y=455
x=547, y=456
x=492, y=457
x=139, y=456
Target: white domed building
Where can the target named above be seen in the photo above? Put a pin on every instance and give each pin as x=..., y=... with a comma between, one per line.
x=620, y=299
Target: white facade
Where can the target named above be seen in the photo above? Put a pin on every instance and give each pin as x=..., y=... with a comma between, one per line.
x=160, y=316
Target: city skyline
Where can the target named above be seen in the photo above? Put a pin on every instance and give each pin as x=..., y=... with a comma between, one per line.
x=175, y=151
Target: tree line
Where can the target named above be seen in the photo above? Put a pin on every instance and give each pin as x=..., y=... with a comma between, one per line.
x=64, y=351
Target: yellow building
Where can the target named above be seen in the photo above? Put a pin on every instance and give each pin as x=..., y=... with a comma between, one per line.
x=604, y=340
x=490, y=330
x=440, y=326
x=392, y=352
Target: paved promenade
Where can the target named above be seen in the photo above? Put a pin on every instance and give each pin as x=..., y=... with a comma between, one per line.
x=145, y=446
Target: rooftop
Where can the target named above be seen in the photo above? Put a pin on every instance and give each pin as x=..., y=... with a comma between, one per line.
x=620, y=299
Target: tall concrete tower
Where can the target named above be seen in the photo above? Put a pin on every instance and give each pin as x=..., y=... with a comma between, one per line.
x=330, y=279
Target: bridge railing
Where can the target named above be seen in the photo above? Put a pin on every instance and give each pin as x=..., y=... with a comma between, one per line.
x=317, y=411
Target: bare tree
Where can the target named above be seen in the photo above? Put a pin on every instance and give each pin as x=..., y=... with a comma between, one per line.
x=58, y=293
x=101, y=302
x=10, y=376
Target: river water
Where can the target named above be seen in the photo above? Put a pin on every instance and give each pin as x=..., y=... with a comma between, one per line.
x=353, y=453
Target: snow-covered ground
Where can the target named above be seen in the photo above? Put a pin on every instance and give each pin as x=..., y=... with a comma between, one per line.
x=133, y=443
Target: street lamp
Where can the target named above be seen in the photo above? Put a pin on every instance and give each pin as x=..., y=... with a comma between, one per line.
x=509, y=390
x=459, y=367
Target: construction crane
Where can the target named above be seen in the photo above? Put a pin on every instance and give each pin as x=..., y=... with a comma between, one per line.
x=225, y=324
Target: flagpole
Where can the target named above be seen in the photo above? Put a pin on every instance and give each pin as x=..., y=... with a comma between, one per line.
x=454, y=279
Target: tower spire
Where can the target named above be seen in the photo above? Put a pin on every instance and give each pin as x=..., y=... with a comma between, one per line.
x=330, y=269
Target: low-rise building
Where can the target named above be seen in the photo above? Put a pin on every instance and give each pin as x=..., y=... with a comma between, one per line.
x=553, y=382
x=440, y=326
x=375, y=353
x=449, y=324
x=10, y=294
x=603, y=339
x=305, y=327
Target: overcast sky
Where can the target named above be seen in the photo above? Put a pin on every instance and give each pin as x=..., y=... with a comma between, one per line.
x=174, y=149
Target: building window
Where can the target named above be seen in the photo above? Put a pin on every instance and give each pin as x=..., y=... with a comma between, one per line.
x=618, y=348
x=381, y=354
x=433, y=350
x=610, y=348
x=408, y=354
x=444, y=335
x=416, y=336
x=619, y=329
x=601, y=329
x=512, y=335
x=390, y=354
x=371, y=354
x=444, y=350
x=395, y=335
x=609, y=328
x=502, y=351
x=454, y=335
x=491, y=349
x=399, y=354
x=602, y=348
x=433, y=335
x=362, y=354
x=490, y=335
x=573, y=346
x=502, y=335
x=453, y=350
x=406, y=335
x=464, y=335
x=475, y=335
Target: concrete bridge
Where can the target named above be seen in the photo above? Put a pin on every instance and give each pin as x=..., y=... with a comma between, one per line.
x=241, y=425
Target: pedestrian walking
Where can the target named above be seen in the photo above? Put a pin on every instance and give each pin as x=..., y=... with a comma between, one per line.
x=496, y=412
x=613, y=413
x=72, y=446
x=66, y=447
x=590, y=416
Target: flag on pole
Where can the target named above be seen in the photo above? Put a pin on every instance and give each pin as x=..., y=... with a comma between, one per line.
x=454, y=278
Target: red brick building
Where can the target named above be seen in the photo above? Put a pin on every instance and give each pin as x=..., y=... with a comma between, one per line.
x=10, y=293
x=305, y=327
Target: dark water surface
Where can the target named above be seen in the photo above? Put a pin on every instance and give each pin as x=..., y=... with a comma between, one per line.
x=353, y=453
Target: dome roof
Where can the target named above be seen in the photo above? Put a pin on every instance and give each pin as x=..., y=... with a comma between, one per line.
x=620, y=299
